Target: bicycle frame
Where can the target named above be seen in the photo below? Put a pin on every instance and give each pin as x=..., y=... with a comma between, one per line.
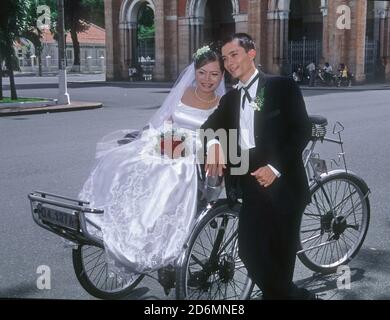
x=318, y=165
x=312, y=162
x=71, y=209
x=204, y=212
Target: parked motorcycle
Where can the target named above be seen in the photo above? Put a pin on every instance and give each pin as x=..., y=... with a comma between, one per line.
x=300, y=76
x=326, y=78
x=342, y=81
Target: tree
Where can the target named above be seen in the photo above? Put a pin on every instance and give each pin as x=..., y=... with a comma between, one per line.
x=77, y=17
x=74, y=14
x=95, y=12
x=1, y=65
x=13, y=15
x=32, y=32
x=78, y=13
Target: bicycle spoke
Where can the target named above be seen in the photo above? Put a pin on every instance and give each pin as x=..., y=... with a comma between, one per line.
x=98, y=276
x=350, y=211
x=340, y=214
x=225, y=242
x=313, y=215
x=343, y=200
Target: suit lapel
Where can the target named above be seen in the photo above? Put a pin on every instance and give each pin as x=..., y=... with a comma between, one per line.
x=236, y=116
x=258, y=114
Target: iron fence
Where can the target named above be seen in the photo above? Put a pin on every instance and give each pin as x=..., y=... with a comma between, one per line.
x=302, y=52
x=371, y=57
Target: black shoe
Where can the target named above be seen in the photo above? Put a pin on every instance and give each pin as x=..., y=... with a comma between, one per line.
x=166, y=277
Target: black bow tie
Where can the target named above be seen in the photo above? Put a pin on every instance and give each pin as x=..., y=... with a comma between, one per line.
x=246, y=92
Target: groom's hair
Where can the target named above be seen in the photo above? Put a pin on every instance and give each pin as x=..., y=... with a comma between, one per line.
x=244, y=40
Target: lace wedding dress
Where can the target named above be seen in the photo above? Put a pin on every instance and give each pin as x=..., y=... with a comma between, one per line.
x=149, y=204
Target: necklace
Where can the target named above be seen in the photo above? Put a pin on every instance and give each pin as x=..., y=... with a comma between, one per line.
x=203, y=100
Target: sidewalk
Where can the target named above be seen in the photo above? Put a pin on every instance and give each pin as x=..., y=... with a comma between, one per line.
x=99, y=79
x=169, y=84
x=362, y=87
x=73, y=106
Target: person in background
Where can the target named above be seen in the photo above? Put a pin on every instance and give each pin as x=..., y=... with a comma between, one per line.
x=311, y=68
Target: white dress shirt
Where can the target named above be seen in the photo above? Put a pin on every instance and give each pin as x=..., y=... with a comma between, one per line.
x=247, y=137
x=247, y=116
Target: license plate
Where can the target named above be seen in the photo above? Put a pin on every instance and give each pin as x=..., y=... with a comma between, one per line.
x=58, y=218
x=319, y=165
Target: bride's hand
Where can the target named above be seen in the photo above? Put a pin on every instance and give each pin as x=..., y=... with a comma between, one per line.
x=215, y=162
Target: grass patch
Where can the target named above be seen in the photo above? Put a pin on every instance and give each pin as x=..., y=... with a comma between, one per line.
x=8, y=100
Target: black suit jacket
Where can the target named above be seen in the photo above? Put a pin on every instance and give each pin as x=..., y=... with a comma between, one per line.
x=282, y=130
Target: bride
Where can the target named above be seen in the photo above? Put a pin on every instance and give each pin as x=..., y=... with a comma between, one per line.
x=149, y=204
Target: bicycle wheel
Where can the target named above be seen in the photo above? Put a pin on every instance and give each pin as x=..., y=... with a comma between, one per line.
x=335, y=223
x=92, y=272
x=211, y=268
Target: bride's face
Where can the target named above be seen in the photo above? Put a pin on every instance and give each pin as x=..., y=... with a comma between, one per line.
x=208, y=77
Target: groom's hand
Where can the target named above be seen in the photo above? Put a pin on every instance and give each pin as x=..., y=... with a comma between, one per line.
x=215, y=162
x=265, y=176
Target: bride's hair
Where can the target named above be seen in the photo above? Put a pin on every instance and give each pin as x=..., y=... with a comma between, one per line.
x=207, y=54
x=186, y=79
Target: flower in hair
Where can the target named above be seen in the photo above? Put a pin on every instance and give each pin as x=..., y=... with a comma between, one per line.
x=201, y=51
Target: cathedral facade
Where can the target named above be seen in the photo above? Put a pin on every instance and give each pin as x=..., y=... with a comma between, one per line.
x=287, y=33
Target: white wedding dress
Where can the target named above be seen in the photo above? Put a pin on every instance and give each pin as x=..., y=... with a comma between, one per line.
x=149, y=204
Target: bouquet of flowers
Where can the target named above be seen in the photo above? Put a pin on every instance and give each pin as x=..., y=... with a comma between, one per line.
x=171, y=143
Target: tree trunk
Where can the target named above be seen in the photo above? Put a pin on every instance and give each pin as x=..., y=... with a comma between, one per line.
x=76, y=50
x=1, y=78
x=39, y=62
x=10, y=68
x=1, y=81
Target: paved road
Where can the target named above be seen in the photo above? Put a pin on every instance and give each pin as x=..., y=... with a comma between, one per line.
x=55, y=152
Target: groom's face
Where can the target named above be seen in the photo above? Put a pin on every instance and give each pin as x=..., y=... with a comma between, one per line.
x=237, y=61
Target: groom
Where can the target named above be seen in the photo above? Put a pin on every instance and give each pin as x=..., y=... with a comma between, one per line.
x=273, y=128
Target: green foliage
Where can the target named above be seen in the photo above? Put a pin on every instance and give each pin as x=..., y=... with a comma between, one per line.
x=145, y=32
x=31, y=30
x=9, y=100
x=13, y=22
x=146, y=28
x=77, y=11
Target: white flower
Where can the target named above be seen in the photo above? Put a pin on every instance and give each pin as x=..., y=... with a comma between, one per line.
x=255, y=106
x=201, y=51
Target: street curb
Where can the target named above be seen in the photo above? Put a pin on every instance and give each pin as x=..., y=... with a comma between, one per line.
x=73, y=106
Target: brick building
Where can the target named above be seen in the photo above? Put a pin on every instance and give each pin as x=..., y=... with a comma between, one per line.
x=287, y=33
x=92, y=51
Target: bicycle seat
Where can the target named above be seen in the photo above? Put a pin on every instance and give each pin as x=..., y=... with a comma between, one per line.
x=318, y=120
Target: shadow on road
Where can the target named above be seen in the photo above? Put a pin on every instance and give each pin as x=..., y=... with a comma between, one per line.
x=22, y=290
